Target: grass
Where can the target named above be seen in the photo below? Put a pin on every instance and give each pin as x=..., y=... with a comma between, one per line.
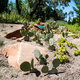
x=5, y=32
x=1, y=43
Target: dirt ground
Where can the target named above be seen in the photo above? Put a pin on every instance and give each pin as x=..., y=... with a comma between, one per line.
x=67, y=71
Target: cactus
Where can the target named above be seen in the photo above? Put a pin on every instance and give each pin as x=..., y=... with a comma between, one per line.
x=32, y=63
x=56, y=62
x=30, y=34
x=53, y=71
x=45, y=69
x=26, y=38
x=25, y=66
x=51, y=41
x=46, y=56
x=37, y=53
x=50, y=35
x=25, y=23
x=42, y=61
x=24, y=33
x=42, y=36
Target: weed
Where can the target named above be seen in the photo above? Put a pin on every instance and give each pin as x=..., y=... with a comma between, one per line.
x=1, y=43
x=5, y=32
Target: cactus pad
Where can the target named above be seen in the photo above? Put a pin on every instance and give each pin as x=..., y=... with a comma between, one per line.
x=25, y=66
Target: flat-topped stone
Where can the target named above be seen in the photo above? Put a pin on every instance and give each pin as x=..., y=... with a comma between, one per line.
x=21, y=52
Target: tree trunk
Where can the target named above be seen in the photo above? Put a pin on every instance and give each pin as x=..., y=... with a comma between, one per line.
x=17, y=5
x=35, y=8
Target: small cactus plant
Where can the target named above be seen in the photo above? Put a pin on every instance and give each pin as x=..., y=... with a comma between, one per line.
x=54, y=65
x=39, y=57
x=26, y=66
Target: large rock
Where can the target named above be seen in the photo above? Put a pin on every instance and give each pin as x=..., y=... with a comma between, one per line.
x=21, y=52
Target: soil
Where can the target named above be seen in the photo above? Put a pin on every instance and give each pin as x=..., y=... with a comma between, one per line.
x=67, y=71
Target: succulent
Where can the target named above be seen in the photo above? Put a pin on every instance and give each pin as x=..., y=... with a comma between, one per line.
x=26, y=38
x=63, y=59
x=77, y=52
x=42, y=61
x=61, y=40
x=51, y=41
x=53, y=71
x=37, y=53
x=55, y=63
x=39, y=57
x=43, y=36
x=25, y=66
x=45, y=69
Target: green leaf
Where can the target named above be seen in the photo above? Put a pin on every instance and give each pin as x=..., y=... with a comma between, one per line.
x=53, y=71
x=56, y=62
x=45, y=69
x=51, y=41
x=32, y=63
x=37, y=53
x=25, y=66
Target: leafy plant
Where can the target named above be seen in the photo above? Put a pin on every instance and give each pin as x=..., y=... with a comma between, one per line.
x=70, y=44
x=61, y=50
x=77, y=52
x=61, y=40
x=63, y=59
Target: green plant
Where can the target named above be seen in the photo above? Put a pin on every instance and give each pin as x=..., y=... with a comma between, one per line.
x=61, y=50
x=77, y=52
x=55, y=63
x=75, y=36
x=61, y=40
x=5, y=32
x=1, y=43
x=26, y=66
x=25, y=32
x=39, y=57
x=65, y=34
x=63, y=59
x=70, y=44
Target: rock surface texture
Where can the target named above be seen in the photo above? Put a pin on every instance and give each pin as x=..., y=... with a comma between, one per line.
x=20, y=52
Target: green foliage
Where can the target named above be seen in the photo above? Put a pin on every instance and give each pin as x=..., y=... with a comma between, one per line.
x=61, y=40
x=25, y=66
x=61, y=50
x=77, y=52
x=1, y=43
x=54, y=65
x=45, y=69
x=65, y=34
x=75, y=36
x=51, y=41
x=56, y=62
x=77, y=10
x=39, y=57
x=37, y=53
x=71, y=45
x=63, y=59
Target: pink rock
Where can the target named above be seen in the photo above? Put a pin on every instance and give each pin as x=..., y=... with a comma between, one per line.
x=21, y=52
